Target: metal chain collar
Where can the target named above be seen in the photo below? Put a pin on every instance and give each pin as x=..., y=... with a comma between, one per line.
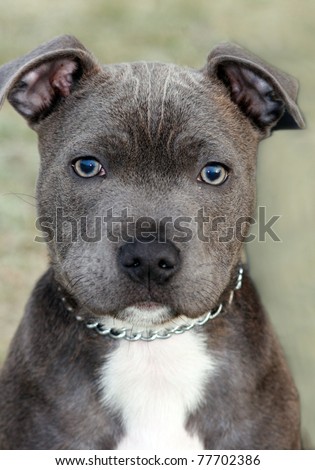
x=164, y=333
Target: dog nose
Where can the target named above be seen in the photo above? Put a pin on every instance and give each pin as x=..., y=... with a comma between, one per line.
x=145, y=261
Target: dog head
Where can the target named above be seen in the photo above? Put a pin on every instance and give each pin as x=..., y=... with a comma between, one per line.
x=146, y=171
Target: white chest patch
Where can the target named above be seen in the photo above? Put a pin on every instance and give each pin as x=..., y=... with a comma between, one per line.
x=155, y=386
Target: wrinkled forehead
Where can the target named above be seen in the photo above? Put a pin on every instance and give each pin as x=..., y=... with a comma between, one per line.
x=154, y=81
x=151, y=107
x=163, y=106
x=159, y=96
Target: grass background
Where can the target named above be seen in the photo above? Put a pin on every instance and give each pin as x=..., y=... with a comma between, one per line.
x=180, y=31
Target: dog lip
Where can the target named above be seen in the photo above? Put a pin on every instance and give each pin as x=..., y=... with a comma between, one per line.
x=145, y=314
x=147, y=306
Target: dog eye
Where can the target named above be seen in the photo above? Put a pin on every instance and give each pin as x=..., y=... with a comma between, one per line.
x=213, y=173
x=88, y=167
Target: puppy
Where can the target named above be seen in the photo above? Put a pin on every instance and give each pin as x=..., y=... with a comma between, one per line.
x=146, y=331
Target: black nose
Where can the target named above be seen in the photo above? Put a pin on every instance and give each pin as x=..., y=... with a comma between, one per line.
x=145, y=262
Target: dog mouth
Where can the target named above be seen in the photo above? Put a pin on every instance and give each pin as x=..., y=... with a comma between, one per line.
x=148, y=319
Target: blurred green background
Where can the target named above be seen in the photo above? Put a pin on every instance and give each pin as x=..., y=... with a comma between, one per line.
x=180, y=31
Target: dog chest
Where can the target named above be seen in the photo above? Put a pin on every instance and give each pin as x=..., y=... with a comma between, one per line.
x=154, y=387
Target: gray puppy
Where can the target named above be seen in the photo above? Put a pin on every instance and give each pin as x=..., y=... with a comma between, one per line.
x=145, y=332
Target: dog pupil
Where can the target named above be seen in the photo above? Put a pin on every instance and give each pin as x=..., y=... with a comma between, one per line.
x=87, y=166
x=213, y=172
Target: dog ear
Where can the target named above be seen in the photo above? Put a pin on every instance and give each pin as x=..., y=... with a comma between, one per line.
x=266, y=95
x=35, y=83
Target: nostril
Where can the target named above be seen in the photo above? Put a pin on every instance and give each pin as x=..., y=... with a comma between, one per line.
x=132, y=263
x=164, y=264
